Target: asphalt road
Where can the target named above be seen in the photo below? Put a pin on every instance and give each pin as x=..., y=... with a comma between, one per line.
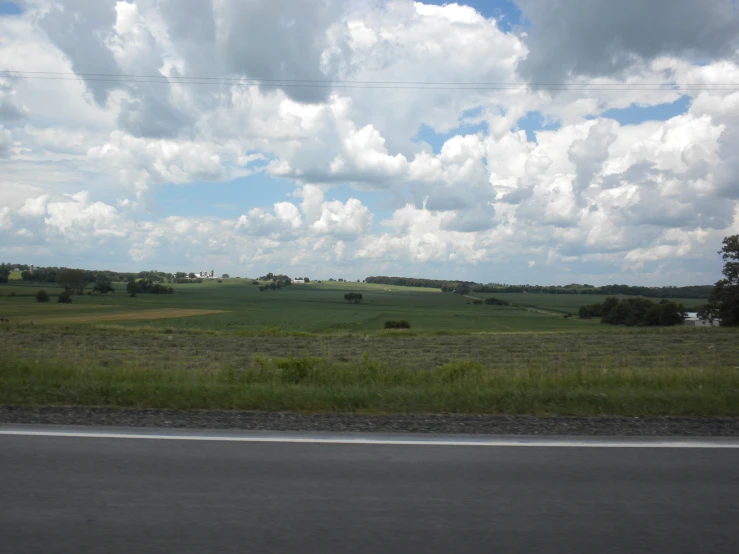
x=128, y=495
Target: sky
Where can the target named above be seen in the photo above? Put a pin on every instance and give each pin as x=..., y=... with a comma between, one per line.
x=303, y=137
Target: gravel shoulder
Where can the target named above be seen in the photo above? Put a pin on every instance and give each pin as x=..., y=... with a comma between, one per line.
x=337, y=422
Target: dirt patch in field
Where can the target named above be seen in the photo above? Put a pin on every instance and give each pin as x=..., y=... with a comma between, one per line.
x=164, y=313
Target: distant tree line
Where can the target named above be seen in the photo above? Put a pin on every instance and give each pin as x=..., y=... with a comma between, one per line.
x=76, y=281
x=49, y=275
x=446, y=286
x=635, y=311
x=141, y=286
x=274, y=282
x=465, y=287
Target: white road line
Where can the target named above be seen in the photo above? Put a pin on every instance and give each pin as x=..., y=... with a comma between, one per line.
x=531, y=443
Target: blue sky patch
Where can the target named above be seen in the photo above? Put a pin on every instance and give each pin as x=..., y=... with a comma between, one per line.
x=10, y=8
x=436, y=140
x=535, y=121
x=228, y=200
x=505, y=12
x=633, y=115
x=235, y=198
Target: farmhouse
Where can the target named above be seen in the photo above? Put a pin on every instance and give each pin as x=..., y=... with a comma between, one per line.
x=298, y=281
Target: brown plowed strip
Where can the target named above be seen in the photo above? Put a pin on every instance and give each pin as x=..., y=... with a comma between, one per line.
x=164, y=313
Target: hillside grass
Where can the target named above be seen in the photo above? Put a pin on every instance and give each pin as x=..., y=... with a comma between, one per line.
x=310, y=308
x=650, y=372
x=229, y=346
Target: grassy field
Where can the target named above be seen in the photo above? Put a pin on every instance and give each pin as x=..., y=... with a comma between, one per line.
x=236, y=304
x=229, y=346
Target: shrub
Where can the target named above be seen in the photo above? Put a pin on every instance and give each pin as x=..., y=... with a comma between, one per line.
x=495, y=302
x=296, y=370
x=477, y=301
x=355, y=297
x=64, y=297
x=103, y=285
x=402, y=324
x=42, y=296
x=459, y=371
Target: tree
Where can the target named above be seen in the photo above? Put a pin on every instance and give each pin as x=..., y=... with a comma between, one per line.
x=4, y=273
x=131, y=288
x=402, y=324
x=103, y=285
x=355, y=297
x=225, y=276
x=191, y=275
x=635, y=311
x=73, y=280
x=724, y=300
x=708, y=313
x=305, y=279
x=42, y=296
x=64, y=297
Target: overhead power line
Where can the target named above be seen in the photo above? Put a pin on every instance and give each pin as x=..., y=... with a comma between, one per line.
x=354, y=84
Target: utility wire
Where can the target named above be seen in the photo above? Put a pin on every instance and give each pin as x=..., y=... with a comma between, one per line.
x=348, y=84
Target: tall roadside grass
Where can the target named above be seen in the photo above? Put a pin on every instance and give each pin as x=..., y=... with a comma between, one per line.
x=317, y=384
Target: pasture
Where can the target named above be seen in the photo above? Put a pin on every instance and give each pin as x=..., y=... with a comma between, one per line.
x=228, y=345
x=237, y=305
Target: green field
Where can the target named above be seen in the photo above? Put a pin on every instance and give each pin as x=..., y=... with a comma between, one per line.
x=227, y=345
x=311, y=308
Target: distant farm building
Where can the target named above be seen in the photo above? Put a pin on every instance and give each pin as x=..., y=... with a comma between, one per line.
x=693, y=321
x=298, y=281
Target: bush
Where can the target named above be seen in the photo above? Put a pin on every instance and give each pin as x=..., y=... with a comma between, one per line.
x=495, y=302
x=477, y=301
x=296, y=371
x=635, y=311
x=64, y=297
x=103, y=285
x=403, y=324
x=42, y=296
x=355, y=297
x=458, y=371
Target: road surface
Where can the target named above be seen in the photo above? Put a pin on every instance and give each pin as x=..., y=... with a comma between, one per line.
x=253, y=493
